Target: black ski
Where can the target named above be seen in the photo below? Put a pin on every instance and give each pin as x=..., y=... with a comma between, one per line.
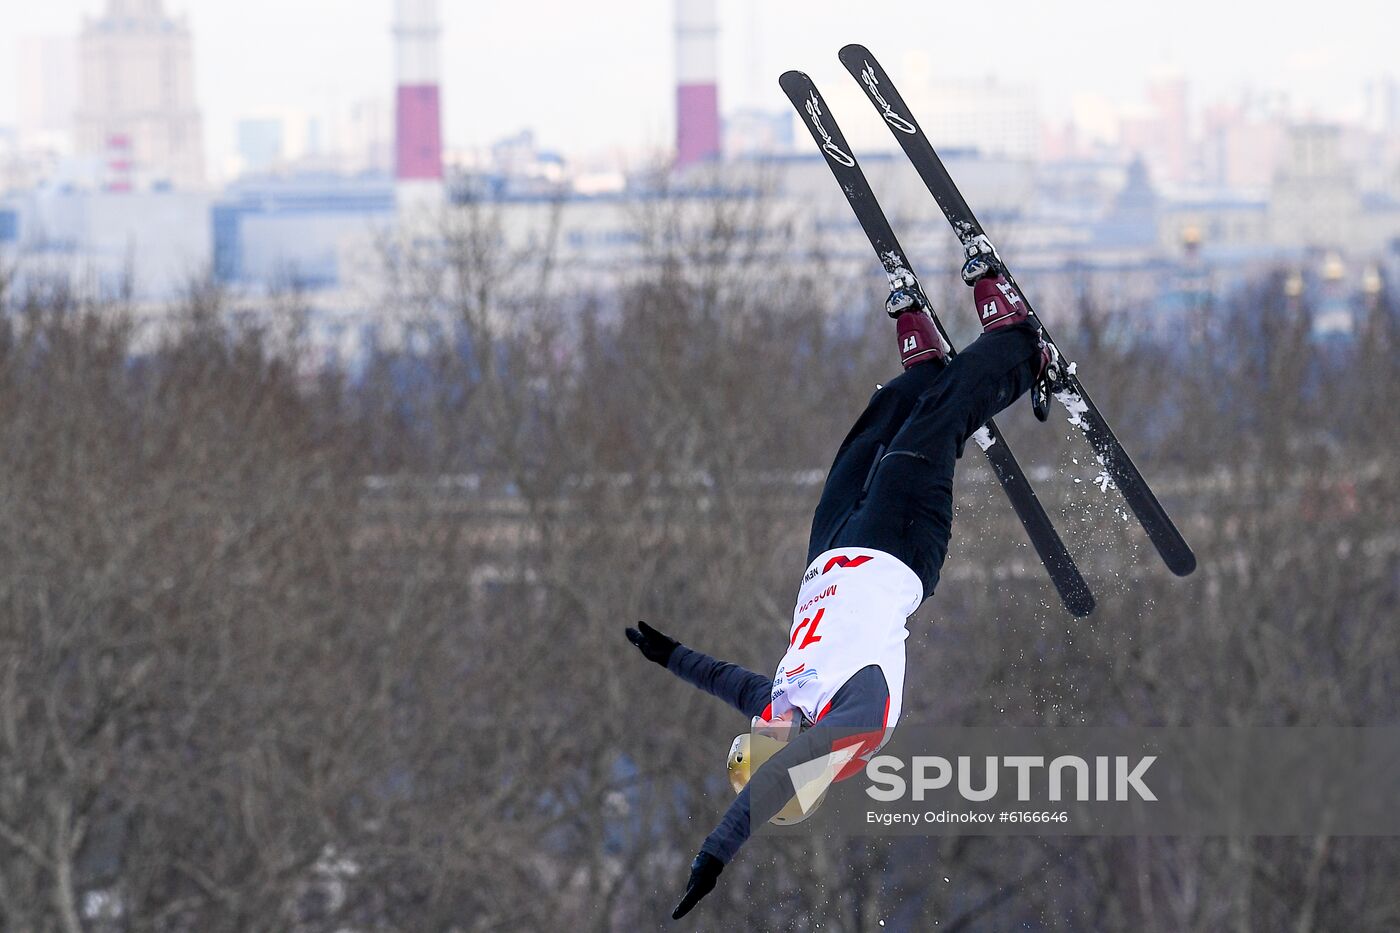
x=827, y=135
x=1083, y=413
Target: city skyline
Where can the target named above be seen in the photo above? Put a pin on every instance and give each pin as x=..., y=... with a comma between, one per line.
x=1169, y=171
x=619, y=89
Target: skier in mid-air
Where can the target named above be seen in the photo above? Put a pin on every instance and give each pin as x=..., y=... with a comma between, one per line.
x=879, y=537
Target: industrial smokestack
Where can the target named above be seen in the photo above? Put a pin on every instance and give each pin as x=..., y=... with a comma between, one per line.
x=697, y=81
x=418, y=105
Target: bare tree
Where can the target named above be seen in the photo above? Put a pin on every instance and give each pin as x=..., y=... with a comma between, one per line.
x=345, y=652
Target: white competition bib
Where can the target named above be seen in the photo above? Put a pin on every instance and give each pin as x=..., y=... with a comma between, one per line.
x=851, y=611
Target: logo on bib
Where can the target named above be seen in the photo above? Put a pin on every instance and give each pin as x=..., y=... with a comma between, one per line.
x=841, y=560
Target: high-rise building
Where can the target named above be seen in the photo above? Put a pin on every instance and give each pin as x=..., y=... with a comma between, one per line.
x=1241, y=143
x=366, y=137
x=752, y=132
x=983, y=114
x=137, y=108
x=285, y=139
x=1314, y=199
x=1168, y=99
x=48, y=88
x=1382, y=109
x=1161, y=133
x=261, y=143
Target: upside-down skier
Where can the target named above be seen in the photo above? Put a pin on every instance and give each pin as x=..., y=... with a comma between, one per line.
x=879, y=537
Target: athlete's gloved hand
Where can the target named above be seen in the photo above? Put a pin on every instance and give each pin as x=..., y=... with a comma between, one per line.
x=704, y=871
x=655, y=645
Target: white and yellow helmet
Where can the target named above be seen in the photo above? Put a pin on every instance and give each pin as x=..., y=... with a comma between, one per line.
x=751, y=749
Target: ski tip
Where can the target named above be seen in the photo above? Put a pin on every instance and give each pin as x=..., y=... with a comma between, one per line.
x=795, y=84
x=854, y=50
x=1080, y=605
x=1073, y=588
x=1182, y=564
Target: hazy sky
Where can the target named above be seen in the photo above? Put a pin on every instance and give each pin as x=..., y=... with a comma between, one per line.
x=597, y=74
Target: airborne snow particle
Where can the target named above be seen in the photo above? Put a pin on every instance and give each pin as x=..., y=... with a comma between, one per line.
x=1074, y=404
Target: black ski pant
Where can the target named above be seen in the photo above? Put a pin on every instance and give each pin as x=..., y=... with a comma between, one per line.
x=891, y=485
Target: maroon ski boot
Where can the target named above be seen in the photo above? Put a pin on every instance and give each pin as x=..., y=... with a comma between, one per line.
x=919, y=339
x=1000, y=304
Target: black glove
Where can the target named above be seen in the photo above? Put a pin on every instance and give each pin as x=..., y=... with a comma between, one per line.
x=656, y=646
x=704, y=871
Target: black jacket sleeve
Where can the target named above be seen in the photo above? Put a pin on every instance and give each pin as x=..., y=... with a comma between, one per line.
x=742, y=689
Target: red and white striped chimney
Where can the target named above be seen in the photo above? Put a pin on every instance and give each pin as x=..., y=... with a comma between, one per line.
x=697, y=81
x=418, y=105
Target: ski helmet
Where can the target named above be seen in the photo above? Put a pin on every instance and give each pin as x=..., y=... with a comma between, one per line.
x=751, y=749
